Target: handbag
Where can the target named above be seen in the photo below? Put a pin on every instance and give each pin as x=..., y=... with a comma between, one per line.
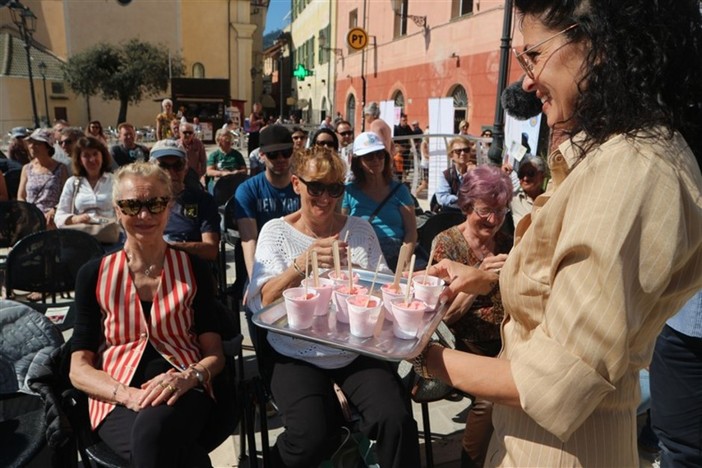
x=106, y=231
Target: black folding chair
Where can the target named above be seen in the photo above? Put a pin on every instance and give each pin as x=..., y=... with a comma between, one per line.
x=225, y=187
x=17, y=220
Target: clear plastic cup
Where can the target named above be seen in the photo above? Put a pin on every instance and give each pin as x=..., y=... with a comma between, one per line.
x=362, y=318
x=389, y=295
x=342, y=307
x=325, y=288
x=408, y=320
x=343, y=279
x=300, y=309
x=428, y=290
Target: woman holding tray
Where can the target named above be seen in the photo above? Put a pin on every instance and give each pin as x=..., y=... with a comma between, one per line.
x=612, y=248
x=303, y=372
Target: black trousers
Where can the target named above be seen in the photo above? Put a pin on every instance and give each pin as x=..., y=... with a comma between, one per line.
x=162, y=435
x=676, y=398
x=312, y=415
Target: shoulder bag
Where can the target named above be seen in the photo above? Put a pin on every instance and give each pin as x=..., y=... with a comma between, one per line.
x=106, y=232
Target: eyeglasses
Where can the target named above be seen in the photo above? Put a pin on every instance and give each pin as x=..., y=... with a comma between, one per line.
x=345, y=134
x=327, y=143
x=316, y=189
x=186, y=132
x=458, y=151
x=65, y=142
x=485, y=212
x=277, y=154
x=374, y=155
x=525, y=59
x=526, y=173
x=133, y=206
x=176, y=166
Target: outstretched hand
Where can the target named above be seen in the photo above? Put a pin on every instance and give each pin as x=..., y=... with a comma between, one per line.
x=463, y=278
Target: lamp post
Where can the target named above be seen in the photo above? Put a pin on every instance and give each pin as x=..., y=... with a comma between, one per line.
x=495, y=154
x=26, y=22
x=42, y=71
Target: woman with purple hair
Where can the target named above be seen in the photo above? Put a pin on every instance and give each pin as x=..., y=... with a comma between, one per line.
x=484, y=197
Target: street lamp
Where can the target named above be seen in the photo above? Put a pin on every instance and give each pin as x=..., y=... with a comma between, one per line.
x=419, y=21
x=42, y=71
x=26, y=22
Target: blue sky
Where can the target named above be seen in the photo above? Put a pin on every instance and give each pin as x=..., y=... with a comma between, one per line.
x=278, y=16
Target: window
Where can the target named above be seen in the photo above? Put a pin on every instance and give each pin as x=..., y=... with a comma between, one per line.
x=399, y=99
x=461, y=8
x=351, y=110
x=325, y=54
x=57, y=87
x=460, y=105
x=400, y=23
x=198, y=70
x=353, y=22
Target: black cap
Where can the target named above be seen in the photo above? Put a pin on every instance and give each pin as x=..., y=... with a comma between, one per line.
x=275, y=138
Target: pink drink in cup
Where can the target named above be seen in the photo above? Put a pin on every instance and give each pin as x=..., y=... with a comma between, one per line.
x=409, y=318
x=325, y=289
x=362, y=317
x=342, y=307
x=428, y=290
x=343, y=279
x=300, y=307
x=389, y=294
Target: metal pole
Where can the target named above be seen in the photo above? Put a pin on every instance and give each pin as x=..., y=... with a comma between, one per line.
x=27, y=38
x=498, y=132
x=46, y=99
x=280, y=79
x=363, y=75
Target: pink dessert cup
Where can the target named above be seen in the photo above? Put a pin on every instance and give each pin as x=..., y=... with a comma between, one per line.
x=325, y=289
x=344, y=279
x=389, y=295
x=362, y=318
x=300, y=310
x=429, y=290
x=408, y=320
x=340, y=295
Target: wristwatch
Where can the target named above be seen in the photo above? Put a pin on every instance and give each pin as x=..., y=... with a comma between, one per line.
x=198, y=375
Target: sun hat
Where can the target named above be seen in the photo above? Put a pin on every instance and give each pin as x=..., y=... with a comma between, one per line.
x=44, y=135
x=19, y=132
x=163, y=148
x=367, y=142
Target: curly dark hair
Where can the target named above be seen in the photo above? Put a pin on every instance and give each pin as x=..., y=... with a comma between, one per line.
x=643, y=69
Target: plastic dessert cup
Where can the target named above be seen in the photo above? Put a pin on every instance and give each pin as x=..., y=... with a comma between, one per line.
x=325, y=289
x=342, y=307
x=362, y=318
x=343, y=280
x=408, y=317
x=428, y=290
x=389, y=295
x=300, y=308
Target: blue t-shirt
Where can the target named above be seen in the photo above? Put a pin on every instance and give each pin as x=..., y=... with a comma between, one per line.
x=193, y=213
x=258, y=199
x=388, y=222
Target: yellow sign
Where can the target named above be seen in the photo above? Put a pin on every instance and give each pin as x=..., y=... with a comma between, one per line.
x=357, y=39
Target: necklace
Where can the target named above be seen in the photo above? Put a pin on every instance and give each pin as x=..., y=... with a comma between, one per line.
x=149, y=271
x=331, y=228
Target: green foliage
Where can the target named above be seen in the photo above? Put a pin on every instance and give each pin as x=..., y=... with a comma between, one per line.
x=128, y=72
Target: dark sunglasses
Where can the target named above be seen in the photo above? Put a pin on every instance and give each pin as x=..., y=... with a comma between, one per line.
x=176, y=166
x=187, y=133
x=277, y=154
x=298, y=137
x=526, y=173
x=328, y=144
x=458, y=151
x=65, y=142
x=349, y=133
x=316, y=189
x=133, y=206
x=374, y=155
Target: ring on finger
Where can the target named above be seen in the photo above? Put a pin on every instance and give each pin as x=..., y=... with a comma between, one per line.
x=171, y=388
x=162, y=385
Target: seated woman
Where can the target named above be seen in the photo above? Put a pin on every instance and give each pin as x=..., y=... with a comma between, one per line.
x=87, y=194
x=225, y=160
x=145, y=343
x=484, y=197
x=464, y=157
x=374, y=196
x=302, y=371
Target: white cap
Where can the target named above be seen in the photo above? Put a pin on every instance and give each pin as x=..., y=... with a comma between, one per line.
x=367, y=142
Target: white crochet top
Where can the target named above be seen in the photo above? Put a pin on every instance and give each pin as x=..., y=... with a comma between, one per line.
x=278, y=244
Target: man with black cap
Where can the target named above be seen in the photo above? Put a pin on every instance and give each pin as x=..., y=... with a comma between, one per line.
x=267, y=195
x=193, y=223
x=531, y=173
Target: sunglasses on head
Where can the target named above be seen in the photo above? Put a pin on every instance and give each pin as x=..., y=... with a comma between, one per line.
x=133, y=206
x=277, y=154
x=176, y=166
x=316, y=189
x=327, y=143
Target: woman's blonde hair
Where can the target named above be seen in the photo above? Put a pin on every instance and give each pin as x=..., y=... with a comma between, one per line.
x=327, y=163
x=144, y=170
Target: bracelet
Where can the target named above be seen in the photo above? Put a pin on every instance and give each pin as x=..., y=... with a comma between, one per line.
x=207, y=371
x=419, y=364
x=114, y=393
x=298, y=269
